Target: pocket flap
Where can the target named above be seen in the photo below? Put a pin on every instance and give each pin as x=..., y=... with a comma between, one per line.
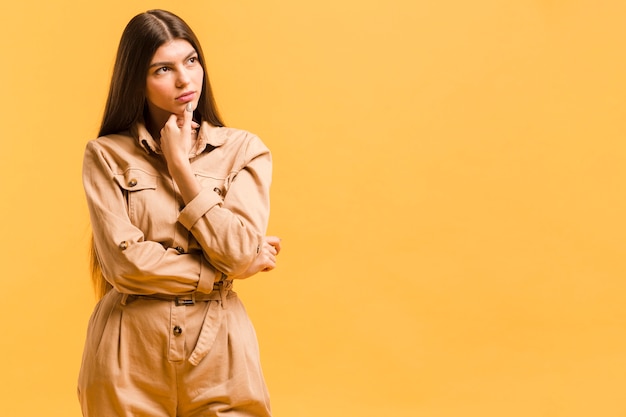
x=134, y=179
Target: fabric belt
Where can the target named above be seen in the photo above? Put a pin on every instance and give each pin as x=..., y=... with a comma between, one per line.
x=218, y=293
x=212, y=321
x=179, y=300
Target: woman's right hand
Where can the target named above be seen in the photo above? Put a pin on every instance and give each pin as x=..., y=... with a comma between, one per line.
x=266, y=258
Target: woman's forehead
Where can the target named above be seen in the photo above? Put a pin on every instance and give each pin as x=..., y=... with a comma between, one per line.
x=172, y=51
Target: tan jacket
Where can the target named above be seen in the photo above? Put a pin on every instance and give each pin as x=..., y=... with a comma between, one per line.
x=146, y=239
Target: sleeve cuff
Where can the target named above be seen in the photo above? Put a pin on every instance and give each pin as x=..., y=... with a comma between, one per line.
x=198, y=207
x=208, y=275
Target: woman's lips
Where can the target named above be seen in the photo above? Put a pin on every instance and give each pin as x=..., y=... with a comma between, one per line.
x=186, y=97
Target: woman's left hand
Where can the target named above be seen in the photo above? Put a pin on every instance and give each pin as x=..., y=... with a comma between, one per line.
x=177, y=138
x=176, y=142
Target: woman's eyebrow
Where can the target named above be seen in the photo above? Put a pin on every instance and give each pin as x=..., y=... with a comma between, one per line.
x=164, y=64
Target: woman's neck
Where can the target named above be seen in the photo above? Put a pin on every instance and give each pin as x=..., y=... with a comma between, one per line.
x=154, y=128
x=155, y=120
x=154, y=125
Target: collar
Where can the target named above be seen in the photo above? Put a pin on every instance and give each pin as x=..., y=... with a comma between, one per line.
x=209, y=138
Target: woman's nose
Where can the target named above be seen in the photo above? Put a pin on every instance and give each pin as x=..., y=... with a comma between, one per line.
x=183, y=78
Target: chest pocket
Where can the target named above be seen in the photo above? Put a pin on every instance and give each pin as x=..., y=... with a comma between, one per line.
x=219, y=184
x=139, y=188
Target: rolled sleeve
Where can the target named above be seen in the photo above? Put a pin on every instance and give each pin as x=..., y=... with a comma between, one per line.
x=198, y=207
x=208, y=276
x=230, y=227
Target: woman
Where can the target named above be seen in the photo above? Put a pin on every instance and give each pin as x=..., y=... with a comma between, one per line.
x=179, y=206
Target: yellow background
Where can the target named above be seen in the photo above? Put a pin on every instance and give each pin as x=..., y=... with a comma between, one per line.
x=449, y=187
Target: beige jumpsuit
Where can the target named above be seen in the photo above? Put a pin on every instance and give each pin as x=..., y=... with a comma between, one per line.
x=172, y=338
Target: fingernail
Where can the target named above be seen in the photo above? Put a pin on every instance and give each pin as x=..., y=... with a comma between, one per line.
x=189, y=107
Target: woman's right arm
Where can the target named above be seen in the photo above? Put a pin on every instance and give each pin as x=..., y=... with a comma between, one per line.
x=129, y=262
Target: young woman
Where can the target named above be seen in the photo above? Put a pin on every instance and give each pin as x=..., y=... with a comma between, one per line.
x=179, y=207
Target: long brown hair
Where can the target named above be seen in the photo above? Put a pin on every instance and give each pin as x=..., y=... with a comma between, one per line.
x=126, y=102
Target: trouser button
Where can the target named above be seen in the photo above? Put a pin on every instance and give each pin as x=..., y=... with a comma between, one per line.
x=177, y=331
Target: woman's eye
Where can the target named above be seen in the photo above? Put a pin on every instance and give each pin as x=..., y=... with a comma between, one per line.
x=193, y=59
x=162, y=70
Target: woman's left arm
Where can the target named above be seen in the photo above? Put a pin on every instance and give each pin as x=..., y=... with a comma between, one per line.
x=230, y=228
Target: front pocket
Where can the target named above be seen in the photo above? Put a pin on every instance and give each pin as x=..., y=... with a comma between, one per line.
x=212, y=182
x=135, y=179
x=139, y=188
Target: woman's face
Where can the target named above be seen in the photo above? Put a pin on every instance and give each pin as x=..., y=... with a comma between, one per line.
x=174, y=79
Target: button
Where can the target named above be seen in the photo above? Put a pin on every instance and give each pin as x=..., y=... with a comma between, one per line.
x=177, y=331
x=218, y=191
x=123, y=245
x=179, y=249
x=132, y=182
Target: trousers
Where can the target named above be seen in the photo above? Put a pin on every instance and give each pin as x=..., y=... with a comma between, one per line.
x=148, y=357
